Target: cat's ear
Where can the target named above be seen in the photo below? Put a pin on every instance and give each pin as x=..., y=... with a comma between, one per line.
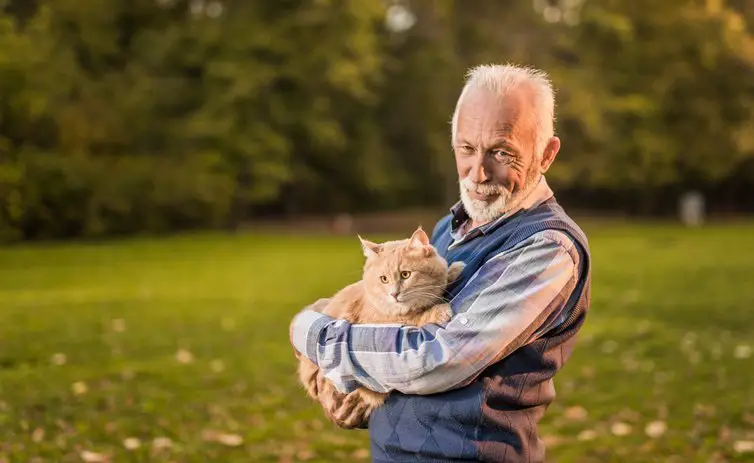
x=420, y=240
x=370, y=249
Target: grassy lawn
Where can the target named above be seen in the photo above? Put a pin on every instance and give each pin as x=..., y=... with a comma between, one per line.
x=180, y=345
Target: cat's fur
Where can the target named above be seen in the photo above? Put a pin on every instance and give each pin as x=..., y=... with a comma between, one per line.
x=386, y=294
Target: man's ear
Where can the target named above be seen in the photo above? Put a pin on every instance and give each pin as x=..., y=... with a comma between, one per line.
x=548, y=155
x=370, y=249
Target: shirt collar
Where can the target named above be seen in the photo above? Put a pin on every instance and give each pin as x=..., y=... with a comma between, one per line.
x=538, y=195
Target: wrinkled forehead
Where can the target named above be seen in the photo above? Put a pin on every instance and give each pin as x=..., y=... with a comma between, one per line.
x=484, y=116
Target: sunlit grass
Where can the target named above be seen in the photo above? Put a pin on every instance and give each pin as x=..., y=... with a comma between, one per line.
x=176, y=349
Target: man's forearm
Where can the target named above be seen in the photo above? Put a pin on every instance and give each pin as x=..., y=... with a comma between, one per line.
x=513, y=297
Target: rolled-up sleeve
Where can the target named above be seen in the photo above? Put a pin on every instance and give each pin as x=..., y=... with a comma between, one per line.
x=515, y=297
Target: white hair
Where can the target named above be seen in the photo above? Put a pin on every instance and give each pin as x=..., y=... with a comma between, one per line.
x=502, y=79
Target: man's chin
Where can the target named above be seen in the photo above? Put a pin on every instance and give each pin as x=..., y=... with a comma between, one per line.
x=481, y=211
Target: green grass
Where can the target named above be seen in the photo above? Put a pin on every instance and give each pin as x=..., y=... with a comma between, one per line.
x=670, y=307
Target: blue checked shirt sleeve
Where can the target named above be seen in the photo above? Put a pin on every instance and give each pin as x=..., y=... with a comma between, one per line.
x=514, y=298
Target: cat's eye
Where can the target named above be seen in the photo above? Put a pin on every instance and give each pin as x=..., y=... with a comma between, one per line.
x=383, y=279
x=405, y=274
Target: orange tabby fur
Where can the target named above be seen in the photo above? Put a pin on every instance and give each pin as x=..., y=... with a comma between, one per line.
x=403, y=282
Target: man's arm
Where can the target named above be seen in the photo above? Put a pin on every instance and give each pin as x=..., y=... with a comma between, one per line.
x=515, y=297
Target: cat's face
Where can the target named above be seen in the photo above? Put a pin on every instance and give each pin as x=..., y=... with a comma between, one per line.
x=404, y=276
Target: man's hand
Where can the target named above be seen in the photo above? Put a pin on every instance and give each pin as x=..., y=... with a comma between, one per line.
x=345, y=410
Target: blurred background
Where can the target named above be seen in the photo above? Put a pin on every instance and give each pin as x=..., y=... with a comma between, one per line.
x=136, y=134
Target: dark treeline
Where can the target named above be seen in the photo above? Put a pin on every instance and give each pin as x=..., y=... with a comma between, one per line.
x=122, y=116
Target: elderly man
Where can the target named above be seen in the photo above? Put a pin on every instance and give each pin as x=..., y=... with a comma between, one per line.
x=475, y=389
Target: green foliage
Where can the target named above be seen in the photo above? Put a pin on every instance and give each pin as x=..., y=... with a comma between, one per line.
x=670, y=93
x=149, y=115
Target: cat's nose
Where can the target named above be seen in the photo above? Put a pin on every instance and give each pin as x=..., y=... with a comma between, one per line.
x=394, y=295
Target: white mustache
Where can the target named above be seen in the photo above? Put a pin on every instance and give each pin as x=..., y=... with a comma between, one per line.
x=487, y=190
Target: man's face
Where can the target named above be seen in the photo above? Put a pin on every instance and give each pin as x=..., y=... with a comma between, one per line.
x=495, y=152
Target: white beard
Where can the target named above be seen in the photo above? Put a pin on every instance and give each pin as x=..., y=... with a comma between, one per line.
x=482, y=212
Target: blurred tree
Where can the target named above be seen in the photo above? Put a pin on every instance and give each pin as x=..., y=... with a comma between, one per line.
x=120, y=116
x=660, y=94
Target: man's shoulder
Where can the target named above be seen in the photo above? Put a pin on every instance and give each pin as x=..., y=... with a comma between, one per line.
x=441, y=226
x=553, y=218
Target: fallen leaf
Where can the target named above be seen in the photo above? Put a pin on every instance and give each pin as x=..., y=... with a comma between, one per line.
x=655, y=429
x=59, y=359
x=743, y=446
x=305, y=454
x=621, y=429
x=360, y=454
x=38, y=435
x=230, y=440
x=162, y=443
x=184, y=356
x=92, y=457
x=587, y=435
x=743, y=351
x=131, y=443
x=118, y=325
x=79, y=388
x=576, y=413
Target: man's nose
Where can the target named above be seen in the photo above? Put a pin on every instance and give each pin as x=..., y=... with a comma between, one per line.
x=478, y=170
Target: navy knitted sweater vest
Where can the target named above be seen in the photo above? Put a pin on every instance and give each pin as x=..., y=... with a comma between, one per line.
x=495, y=417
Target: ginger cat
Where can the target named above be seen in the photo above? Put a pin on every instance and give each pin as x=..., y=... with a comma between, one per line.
x=403, y=282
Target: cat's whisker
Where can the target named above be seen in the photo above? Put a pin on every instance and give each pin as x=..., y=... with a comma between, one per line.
x=431, y=296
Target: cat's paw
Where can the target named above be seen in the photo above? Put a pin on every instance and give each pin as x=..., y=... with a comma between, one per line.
x=439, y=315
x=454, y=271
x=371, y=398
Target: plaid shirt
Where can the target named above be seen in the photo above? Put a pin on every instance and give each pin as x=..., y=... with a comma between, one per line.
x=509, y=295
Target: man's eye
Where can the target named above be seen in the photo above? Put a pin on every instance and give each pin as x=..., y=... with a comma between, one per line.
x=465, y=150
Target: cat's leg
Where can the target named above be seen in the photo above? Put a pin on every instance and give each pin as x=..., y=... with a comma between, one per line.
x=347, y=411
x=373, y=399
x=307, y=375
x=439, y=314
x=454, y=271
